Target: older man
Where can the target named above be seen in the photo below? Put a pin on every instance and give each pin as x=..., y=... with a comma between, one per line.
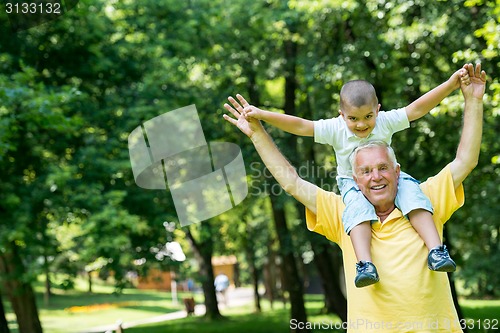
x=410, y=297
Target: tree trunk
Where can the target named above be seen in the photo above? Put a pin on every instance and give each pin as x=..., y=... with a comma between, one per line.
x=269, y=275
x=89, y=277
x=4, y=325
x=326, y=258
x=452, y=280
x=254, y=272
x=292, y=280
x=20, y=293
x=203, y=250
x=237, y=278
x=293, y=283
x=329, y=269
x=256, y=295
x=46, y=269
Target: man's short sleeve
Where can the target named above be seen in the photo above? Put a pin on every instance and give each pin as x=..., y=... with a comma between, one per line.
x=328, y=218
x=442, y=193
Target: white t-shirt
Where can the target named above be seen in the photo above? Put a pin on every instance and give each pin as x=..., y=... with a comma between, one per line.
x=335, y=132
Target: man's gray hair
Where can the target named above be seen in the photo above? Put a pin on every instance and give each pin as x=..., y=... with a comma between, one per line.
x=372, y=144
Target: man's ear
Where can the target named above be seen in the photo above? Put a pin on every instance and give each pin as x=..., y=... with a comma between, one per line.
x=398, y=169
x=354, y=177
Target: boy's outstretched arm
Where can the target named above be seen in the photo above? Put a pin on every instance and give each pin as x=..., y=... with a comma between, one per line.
x=284, y=122
x=467, y=155
x=425, y=103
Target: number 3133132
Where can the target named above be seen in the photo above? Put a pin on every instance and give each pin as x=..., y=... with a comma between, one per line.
x=33, y=8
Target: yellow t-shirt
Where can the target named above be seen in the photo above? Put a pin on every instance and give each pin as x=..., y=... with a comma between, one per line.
x=409, y=297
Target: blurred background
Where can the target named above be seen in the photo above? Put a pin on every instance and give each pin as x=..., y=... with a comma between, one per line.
x=73, y=88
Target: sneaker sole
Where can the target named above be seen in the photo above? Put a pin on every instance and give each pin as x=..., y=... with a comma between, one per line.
x=366, y=283
x=446, y=268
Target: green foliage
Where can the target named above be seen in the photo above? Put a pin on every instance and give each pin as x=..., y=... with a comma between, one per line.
x=73, y=89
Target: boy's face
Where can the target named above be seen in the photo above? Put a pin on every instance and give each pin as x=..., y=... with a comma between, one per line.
x=361, y=121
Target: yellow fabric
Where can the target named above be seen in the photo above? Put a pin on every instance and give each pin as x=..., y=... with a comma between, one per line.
x=409, y=297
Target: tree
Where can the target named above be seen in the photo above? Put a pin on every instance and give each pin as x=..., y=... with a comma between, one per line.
x=20, y=293
x=203, y=249
x=4, y=325
x=74, y=88
x=32, y=120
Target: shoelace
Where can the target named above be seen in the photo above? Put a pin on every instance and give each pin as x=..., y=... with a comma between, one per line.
x=363, y=266
x=440, y=252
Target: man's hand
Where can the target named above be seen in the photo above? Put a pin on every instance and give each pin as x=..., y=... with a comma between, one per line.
x=475, y=85
x=276, y=163
x=425, y=103
x=249, y=110
x=248, y=125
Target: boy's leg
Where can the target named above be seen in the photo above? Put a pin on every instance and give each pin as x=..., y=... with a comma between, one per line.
x=361, y=238
x=422, y=222
x=356, y=218
x=412, y=202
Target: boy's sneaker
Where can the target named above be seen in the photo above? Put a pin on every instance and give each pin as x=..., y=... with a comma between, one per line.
x=366, y=274
x=439, y=260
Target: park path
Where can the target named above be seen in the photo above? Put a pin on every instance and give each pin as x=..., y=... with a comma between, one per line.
x=235, y=297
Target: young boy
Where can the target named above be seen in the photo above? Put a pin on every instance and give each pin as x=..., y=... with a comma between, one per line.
x=360, y=120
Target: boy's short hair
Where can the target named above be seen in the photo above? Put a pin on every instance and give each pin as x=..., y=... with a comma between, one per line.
x=357, y=93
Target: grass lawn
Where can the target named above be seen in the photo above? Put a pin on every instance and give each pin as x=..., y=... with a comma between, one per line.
x=243, y=320
x=73, y=311
x=481, y=315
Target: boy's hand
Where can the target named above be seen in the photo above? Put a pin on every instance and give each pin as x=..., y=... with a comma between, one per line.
x=248, y=126
x=459, y=77
x=474, y=86
x=249, y=110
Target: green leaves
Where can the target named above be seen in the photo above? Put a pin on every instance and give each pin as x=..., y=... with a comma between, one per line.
x=72, y=90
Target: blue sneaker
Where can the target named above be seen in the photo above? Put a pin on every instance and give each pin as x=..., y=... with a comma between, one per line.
x=439, y=260
x=366, y=274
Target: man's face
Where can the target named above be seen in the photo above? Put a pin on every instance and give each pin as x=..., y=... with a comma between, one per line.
x=360, y=121
x=377, y=177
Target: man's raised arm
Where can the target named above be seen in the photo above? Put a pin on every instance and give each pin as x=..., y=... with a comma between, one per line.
x=470, y=141
x=276, y=163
